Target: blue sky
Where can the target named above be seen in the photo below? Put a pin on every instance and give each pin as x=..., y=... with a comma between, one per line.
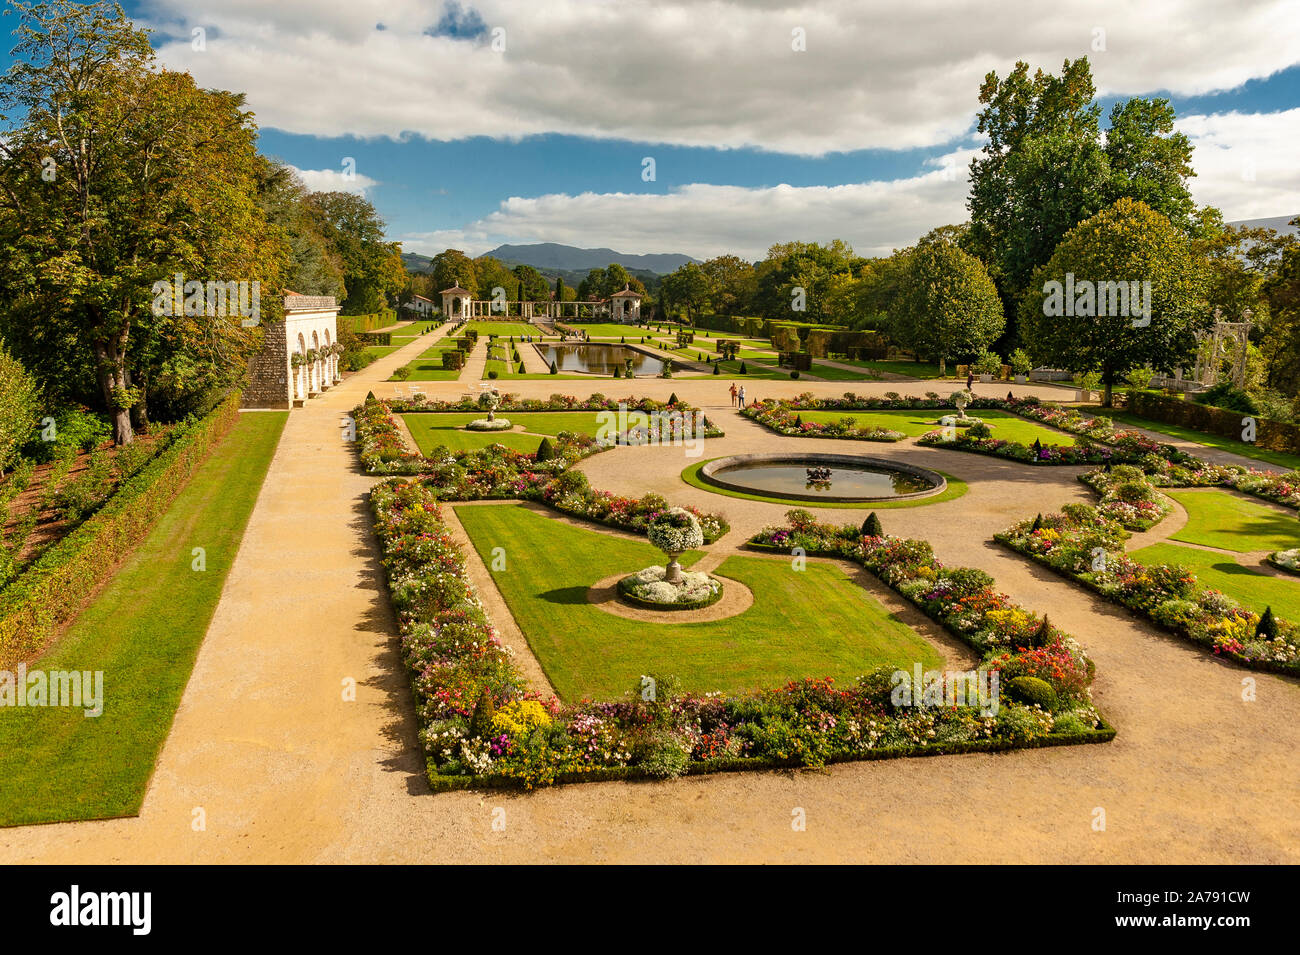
x=473, y=124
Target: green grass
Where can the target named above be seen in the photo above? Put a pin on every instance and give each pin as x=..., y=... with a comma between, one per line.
x=500, y=329
x=432, y=430
x=1279, y=459
x=810, y=623
x=1250, y=588
x=143, y=631
x=956, y=488
x=379, y=351
x=1222, y=519
x=404, y=335
x=427, y=366
x=606, y=329
x=914, y=423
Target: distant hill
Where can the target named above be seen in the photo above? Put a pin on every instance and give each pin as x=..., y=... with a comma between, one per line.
x=567, y=258
x=415, y=262
x=1280, y=223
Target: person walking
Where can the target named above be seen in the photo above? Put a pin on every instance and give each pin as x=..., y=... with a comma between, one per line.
x=741, y=396
x=733, y=394
x=970, y=380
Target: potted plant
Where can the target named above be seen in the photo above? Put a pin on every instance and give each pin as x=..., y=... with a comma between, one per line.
x=674, y=532
x=987, y=364
x=1088, y=383
x=1021, y=365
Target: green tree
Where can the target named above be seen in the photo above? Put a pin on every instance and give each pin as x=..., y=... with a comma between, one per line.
x=1125, y=244
x=19, y=407
x=117, y=175
x=947, y=304
x=372, y=268
x=453, y=267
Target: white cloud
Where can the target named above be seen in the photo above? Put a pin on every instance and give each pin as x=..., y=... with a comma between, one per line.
x=715, y=73
x=706, y=220
x=335, y=180
x=1245, y=162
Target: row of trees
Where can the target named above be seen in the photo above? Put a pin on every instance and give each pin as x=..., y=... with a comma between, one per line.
x=1049, y=196
x=116, y=174
x=521, y=282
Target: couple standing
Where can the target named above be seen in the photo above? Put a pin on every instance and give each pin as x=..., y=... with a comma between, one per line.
x=737, y=395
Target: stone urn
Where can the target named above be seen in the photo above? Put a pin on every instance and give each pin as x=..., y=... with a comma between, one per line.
x=674, y=532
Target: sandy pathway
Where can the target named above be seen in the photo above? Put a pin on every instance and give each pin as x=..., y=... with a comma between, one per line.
x=286, y=770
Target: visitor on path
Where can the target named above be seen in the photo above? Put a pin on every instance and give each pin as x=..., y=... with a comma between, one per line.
x=733, y=394
x=741, y=396
x=970, y=379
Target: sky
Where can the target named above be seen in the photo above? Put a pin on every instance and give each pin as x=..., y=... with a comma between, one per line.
x=715, y=126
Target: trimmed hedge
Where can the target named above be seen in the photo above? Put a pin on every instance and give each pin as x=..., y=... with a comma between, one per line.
x=54, y=589
x=1270, y=435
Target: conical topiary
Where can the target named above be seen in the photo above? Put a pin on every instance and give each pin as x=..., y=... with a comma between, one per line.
x=544, y=451
x=370, y=396
x=618, y=372
x=555, y=369
x=871, y=526
x=672, y=399
x=1267, y=626
x=1043, y=635
x=743, y=369
x=717, y=369
x=485, y=710
x=1038, y=523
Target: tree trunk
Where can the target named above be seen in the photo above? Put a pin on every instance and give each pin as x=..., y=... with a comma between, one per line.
x=1106, y=394
x=941, y=366
x=111, y=363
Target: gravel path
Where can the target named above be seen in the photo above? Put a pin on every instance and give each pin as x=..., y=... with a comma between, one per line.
x=286, y=770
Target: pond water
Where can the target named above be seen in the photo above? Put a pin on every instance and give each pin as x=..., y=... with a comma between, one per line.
x=599, y=359
x=783, y=479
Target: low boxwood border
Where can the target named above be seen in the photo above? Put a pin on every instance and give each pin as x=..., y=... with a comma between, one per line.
x=956, y=488
x=54, y=589
x=631, y=598
x=1102, y=733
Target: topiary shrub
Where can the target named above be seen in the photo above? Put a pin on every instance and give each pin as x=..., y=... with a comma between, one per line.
x=1267, y=626
x=743, y=369
x=717, y=369
x=1042, y=636
x=402, y=373
x=1030, y=690
x=794, y=375
x=672, y=399
x=871, y=526
x=555, y=369
x=980, y=430
x=618, y=372
x=493, y=374
x=545, y=452
x=1038, y=523
x=485, y=711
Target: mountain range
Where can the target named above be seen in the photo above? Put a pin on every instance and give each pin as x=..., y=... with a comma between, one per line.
x=553, y=258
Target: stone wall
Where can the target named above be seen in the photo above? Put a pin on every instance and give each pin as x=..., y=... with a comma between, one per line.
x=268, y=371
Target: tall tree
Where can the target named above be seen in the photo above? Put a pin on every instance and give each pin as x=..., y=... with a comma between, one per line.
x=372, y=268
x=116, y=175
x=1083, y=312
x=947, y=305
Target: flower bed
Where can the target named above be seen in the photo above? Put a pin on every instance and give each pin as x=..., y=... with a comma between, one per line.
x=1086, y=546
x=479, y=726
x=778, y=417
x=1288, y=560
x=647, y=588
x=500, y=473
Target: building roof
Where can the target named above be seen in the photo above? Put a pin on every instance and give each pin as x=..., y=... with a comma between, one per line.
x=423, y=299
x=454, y=290
x=293, y=302
x=627, y=293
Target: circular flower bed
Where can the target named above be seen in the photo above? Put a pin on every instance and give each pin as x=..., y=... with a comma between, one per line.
x=647, y=588
x=484, y=424
x=675, y=531
x=1288, y=560
x=953, y=421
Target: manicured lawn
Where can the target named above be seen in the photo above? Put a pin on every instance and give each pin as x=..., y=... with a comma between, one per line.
x=428, y=365
x=500, y=329
x=1218, y=572
x=414, y=330
x=917, y=422
x=1279, y=459
x=143, y=632
x=432, y=430
x=914, y=369
x=379, y=351
x=1222, y=519
x=607, y=329
x=814, y=622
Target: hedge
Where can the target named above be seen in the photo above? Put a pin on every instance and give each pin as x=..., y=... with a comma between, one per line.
x=1270, y=435
x=368, y=323
x=54, y=589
